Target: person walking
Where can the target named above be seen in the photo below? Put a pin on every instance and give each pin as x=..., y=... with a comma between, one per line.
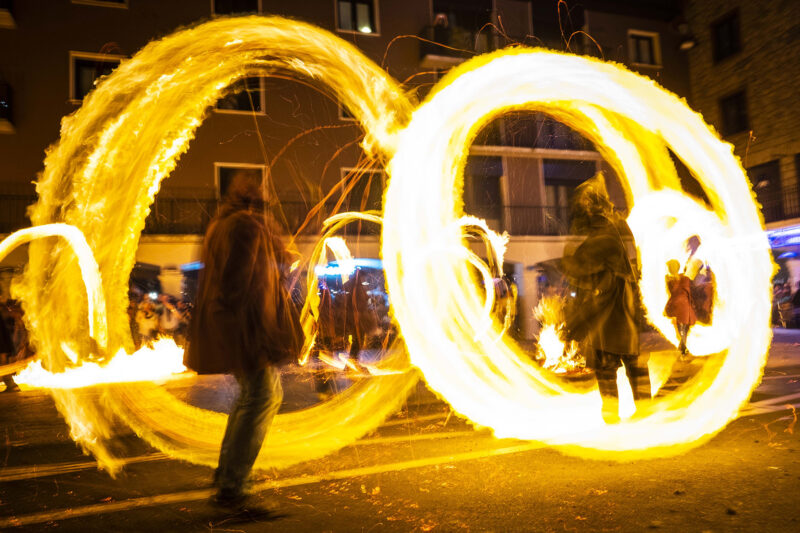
x=680, y=307
x=244, y=324
x=604, y=314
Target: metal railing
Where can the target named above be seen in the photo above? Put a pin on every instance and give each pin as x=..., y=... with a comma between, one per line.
x=177, y=216
x=453, y=42
x=14, y=211
x=525, y=219
x=781, y=204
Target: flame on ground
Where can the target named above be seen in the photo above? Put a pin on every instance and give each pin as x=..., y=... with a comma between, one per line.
x=554, y=353
x=160, y=362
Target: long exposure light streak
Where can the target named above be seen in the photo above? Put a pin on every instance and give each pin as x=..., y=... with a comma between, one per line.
x=105, y=171
x=631, y=121
x=102, y=176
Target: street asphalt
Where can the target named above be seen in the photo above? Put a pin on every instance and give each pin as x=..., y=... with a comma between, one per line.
x=425, y=469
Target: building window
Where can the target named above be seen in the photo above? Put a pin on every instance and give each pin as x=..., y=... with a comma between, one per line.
x=356, y=16
x=86, y=68
x=245, y=95
x=225, y=172
x=644, y=48
x=733, y=109
x=239, y=7
x=725, y=36
x=103, y=3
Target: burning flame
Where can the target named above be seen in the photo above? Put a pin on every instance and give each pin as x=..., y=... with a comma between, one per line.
x=632, y=122
x=103, y=174
x=553, y=352
x=159, y=362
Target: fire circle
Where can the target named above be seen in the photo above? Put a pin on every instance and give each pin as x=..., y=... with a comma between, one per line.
x=633, y=122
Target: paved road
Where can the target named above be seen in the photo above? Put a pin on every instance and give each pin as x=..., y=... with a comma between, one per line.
x=423, y=470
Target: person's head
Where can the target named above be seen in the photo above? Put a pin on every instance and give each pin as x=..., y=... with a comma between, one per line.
x=590, y=202
x=673, y=265
x=244, y=192
x=692, y=244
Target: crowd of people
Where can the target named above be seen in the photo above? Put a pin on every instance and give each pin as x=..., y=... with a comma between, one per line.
x=154, y=315
x=785, y=305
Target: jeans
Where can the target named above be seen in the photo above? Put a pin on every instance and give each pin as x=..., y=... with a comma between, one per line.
x=260, y=396
x=606, y=365
x=683, y=332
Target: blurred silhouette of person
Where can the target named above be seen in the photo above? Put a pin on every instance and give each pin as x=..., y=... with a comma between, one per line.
x=702, y=281
x=7, y=350
x=147, y=320
x=680, y=305
x=239, y=325
x=604, y=314
x=360, y=320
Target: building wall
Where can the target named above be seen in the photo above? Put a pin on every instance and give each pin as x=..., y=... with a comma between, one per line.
x=34, y=60
x=767, y=67
x=610, y=31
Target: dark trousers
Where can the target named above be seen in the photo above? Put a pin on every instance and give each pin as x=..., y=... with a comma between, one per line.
x=683, y=332
x=260, y=396
x=606, y=365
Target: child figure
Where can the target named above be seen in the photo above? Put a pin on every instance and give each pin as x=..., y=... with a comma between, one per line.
x=679, y=306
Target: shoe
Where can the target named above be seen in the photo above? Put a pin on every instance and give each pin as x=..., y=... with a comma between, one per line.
x=229, y=500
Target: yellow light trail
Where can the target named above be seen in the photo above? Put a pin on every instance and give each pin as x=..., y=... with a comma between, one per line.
x=631, y=121
x=102, y=177
x=114, y=152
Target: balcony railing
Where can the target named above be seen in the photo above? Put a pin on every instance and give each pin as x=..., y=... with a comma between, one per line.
x=13, y=211
x=446, y=46
x=185, y=216
x=180, y=216
x=781, y=204
x=525, y=219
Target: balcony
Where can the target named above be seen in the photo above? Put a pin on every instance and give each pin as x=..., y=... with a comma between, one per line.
x=444, y=47
x=524, y=220
x=7, y=14
x=182, y=216
x=187, y=216
x=780, y=204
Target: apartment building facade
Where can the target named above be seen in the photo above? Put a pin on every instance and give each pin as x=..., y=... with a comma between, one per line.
x=519, y=176
x=744, y=70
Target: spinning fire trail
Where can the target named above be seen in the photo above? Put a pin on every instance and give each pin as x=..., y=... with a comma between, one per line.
x=104, y=173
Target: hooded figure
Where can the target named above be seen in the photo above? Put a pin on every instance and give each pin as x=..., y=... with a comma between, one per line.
x=244, y=324
x=604, y=313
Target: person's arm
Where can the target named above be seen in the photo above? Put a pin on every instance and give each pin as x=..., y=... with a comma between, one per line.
x=591, y=257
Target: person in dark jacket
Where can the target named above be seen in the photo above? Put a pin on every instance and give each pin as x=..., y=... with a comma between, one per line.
x=680, y=306
x=604, y=313
x=237, y=327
